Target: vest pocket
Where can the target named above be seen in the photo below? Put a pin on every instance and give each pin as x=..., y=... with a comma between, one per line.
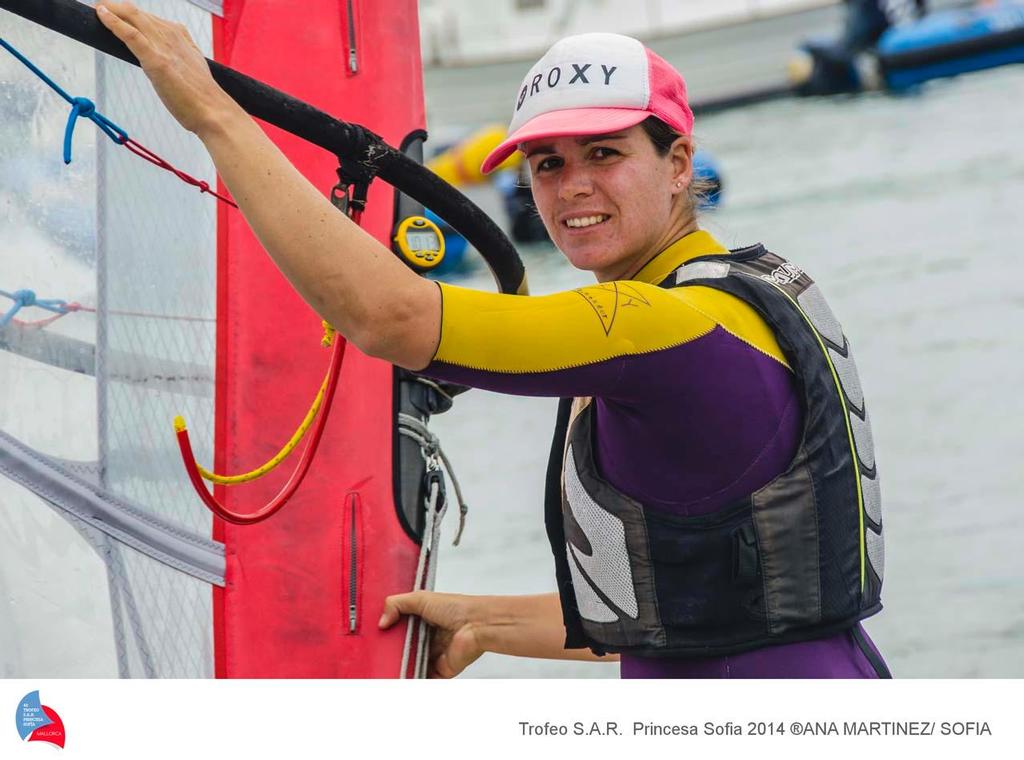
x=707, y=575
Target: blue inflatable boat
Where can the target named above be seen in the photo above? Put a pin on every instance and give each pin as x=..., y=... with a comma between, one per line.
x=941, y=44
x=947, y=43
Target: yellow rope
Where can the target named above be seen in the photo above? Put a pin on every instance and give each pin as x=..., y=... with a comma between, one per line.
x=231, y=480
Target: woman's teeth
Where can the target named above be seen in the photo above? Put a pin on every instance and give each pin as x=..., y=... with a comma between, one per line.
x=586, y=221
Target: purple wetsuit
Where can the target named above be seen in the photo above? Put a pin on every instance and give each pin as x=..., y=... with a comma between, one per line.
x=695, y=407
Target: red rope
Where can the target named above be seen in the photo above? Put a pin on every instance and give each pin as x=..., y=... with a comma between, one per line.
x=38, y=324
x=204, y=187
x=74, y=307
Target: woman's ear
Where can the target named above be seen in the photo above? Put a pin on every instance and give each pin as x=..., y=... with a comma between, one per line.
x=681, y=154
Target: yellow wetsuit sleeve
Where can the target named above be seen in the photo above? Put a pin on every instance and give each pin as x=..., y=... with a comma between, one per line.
x=580, y=340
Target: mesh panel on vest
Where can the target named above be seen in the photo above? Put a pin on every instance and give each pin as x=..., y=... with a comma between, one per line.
x=872, y=498
x=848, y=376
x=863, y=439
x=608, y=565
x=876, y=551
x=587, y=602
x=817, y=310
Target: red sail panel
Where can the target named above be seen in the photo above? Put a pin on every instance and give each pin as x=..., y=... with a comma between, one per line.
x=285, y=609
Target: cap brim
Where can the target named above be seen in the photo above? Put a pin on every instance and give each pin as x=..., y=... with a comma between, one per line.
x=571, y=121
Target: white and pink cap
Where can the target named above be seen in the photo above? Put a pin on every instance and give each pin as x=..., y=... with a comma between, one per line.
x=590, y=84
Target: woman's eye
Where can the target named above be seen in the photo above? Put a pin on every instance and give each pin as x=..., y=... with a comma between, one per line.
x=602, y=152
x=549, y=163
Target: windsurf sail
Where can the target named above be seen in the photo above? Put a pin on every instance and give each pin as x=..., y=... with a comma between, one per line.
x=163, y=304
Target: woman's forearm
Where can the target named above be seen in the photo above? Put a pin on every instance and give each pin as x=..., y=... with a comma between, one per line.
x=349, y=278
x=529, y=626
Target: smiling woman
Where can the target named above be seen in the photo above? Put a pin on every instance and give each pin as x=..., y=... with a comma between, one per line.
x=713, y=502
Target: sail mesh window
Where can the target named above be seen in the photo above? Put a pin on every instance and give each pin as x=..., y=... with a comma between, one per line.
x=135, y=244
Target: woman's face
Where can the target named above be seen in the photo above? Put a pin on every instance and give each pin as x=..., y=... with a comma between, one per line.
x=610, y=202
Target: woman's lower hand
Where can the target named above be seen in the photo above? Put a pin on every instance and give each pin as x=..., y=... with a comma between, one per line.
x=170, y=58
x=455, y=620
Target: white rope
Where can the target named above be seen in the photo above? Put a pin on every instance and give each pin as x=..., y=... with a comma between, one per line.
x=426, y=566
x=430, y=445
x=426, y=573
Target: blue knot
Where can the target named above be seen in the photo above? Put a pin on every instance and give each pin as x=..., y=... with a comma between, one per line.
x=87, y=110
x=25, y=297
x=79, y=107
x=84, y=106
x=21, y=298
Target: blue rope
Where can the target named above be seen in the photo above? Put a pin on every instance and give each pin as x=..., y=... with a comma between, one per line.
x=23, y=298
x=80, y=107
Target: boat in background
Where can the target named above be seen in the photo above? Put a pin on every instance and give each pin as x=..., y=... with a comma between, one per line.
x=953, y=42
x=941, y=44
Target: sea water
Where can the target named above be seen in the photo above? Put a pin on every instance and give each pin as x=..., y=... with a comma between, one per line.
x=909, y=212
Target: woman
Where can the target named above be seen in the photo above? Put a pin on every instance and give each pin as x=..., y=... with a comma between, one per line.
x=712, y=502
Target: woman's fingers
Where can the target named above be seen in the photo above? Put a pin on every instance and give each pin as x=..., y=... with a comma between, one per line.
x=153, y=36
x=130, y=12
x=114, y=19
x=454, y=644
x=401, y=604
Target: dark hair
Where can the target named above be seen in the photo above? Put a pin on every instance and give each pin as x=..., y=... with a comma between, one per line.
x=662, y=136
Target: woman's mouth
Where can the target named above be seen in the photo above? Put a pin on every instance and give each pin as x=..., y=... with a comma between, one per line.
x=580, y=222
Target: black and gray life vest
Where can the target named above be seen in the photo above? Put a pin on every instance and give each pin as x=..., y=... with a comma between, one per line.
x=801, y=558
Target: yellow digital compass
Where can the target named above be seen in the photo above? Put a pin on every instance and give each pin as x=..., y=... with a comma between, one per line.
x=420, y=242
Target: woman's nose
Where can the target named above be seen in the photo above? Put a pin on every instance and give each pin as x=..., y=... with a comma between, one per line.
x=574, y=182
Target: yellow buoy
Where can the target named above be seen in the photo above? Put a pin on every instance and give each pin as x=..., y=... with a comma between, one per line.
x=460, y=164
